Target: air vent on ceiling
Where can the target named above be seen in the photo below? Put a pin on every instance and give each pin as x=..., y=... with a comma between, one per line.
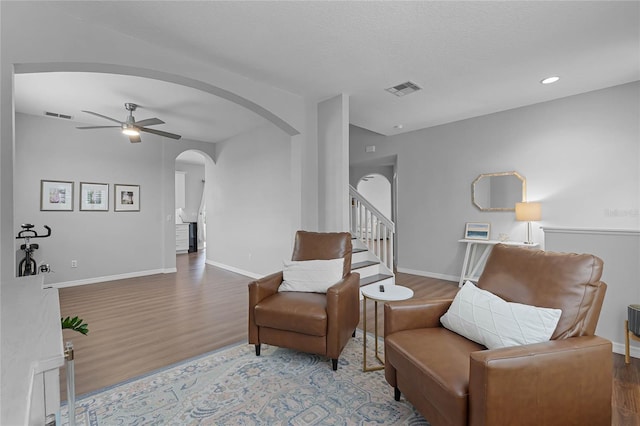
x=403, y=89
x=57, y=115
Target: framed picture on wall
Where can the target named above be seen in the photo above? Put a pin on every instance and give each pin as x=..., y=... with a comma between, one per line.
x=477, y=231
x=56, y=195
x=94, y=196
x=127, y=198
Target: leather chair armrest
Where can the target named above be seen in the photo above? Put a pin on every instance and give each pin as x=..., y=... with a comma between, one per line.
x=264, y=287
x=414, y=313
x=542, y=383
x=343, y=312
x=259, y=290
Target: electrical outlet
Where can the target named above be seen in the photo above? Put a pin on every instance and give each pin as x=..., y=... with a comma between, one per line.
x=74, y=263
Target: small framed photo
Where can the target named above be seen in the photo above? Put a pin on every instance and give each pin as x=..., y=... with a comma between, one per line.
x=94, y=196
x=56, y=195
x=477, y=231
x=127, y=198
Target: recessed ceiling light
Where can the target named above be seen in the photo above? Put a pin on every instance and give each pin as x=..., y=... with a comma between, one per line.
x=550, y=80
x=398, y=126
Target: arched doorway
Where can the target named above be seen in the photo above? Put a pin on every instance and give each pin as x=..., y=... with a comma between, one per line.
x=376, y=188
x=191, y=201
x=156, y=199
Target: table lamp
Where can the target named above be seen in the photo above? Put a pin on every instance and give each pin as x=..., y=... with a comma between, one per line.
x=528, y=212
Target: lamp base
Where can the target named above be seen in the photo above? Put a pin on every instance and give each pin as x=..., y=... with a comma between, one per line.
x=528, y=234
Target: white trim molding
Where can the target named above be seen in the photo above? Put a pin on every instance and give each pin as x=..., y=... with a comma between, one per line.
x=559, y=230
x=618, y=348
x=234, y=269
x=96, y=280
x=428, y=274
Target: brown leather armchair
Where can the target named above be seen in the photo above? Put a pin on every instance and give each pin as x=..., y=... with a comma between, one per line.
x=308, y=322
x=454, y=381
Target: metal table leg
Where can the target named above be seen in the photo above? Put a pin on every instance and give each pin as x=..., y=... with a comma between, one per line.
x=364, y=338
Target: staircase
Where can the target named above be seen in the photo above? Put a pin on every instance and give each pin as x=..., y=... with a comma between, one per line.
x=371, y=270
x=373, y=236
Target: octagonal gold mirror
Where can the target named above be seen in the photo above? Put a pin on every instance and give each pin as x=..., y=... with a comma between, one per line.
x=498, y=191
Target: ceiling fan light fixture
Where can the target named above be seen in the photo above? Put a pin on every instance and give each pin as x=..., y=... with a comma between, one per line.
x=131, y=127
x=130, y=131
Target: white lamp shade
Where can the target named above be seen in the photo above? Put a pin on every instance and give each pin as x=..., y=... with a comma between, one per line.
x=528, y=211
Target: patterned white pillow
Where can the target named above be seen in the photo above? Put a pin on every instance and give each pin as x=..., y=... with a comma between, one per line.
x=487, y=319
x=314, y=276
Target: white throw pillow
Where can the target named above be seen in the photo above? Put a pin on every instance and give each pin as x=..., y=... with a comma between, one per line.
x=314, y=276
x=487, y=319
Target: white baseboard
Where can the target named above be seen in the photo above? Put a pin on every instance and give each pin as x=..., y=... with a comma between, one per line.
x=619, y=349
x=96, y=280
x=234, y=269
x=454, y=278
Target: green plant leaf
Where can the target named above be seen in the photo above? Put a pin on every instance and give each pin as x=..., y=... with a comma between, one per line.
x=74, y=324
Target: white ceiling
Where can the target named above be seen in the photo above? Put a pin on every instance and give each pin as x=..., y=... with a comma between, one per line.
x=471, y=58
x=188, y=112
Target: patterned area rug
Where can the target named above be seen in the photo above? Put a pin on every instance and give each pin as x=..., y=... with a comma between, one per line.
x=234, y=387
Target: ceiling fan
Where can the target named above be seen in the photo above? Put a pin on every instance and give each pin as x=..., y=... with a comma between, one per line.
x=131, y=127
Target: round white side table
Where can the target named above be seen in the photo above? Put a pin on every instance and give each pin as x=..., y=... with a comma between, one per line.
x=373, y=292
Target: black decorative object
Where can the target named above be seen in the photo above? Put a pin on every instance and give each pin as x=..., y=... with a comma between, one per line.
x=193, y=237
x=633, y=314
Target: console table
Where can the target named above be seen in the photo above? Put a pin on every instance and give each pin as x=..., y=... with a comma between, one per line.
x=477, y=253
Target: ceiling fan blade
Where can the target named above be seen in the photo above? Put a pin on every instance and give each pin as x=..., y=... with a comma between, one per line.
x=135, y=139
x=159, y=133
x=149, y=122
x=97, y=127
x=103, y=116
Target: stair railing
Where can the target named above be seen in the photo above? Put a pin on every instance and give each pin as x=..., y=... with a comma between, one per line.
x=372, y=227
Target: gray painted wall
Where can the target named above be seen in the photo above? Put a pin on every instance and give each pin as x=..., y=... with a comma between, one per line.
x=333, y=162
x=105, y=244
x=580, y=156
x=250, y=221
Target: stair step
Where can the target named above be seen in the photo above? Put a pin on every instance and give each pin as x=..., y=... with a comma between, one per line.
x=358, y=250
x=364, y=264
x=374, y=279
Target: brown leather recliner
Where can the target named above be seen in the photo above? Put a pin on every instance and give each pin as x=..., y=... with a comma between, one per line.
x=308, y=322
x=454, y=381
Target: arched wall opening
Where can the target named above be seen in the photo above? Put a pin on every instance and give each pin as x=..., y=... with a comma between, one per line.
x=163, y=76
x=387, y=168
x=191, y=200
x=377, y=189
x=166, y=157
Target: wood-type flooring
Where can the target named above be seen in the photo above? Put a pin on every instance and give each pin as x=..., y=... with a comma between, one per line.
x=139, y=325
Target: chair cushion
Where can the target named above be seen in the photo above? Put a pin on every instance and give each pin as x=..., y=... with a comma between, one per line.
x=485, y=318
x=292, y=311
x=311, y=275
x=323, y=245
x=439, y=360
